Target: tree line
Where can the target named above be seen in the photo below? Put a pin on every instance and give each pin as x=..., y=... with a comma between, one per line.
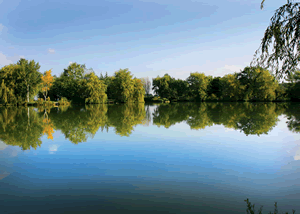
x=22, y=82
x=250, y=84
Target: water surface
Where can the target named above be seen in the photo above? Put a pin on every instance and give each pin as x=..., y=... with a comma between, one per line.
x=136, y=158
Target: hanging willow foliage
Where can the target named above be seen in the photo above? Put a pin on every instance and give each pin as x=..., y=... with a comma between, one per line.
x=280, y=46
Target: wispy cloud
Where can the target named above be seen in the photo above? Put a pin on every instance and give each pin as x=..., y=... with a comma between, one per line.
x=53, y=148
x=4, y=60
x=51, y=51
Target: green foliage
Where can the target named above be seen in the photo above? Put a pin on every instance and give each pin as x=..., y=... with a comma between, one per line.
x=198, y=85
x=75, y=71
x=279, y=49
x=139, y=91
x=293, y=87
x=214, y=91
x=232, y=88
x=257, y=84
x=170, y=88
x=29, y=78
x=19, y=82
x=95, y=89
x=123, y=86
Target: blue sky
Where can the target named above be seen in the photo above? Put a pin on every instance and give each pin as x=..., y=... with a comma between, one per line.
x=150, y=37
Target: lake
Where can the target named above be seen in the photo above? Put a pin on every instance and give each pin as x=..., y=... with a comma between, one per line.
x=136, y=158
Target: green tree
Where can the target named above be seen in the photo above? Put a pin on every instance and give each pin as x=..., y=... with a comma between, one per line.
x=294, y=86
x=258, y=84
x=198, y=85
x=29, y=78
x=95, y=89
x=139, y=91
x=9, y=82
x=232, y=88
x=123, y=86
x=279, y=49
x=214, y=91
x=161, y=86
x=71, y=83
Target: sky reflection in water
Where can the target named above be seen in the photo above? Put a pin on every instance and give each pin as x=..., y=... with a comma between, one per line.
x=177, y=158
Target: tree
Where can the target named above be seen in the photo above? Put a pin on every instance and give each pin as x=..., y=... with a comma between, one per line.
x=70, y=83
x=198, y=84
x=215, y=89
x=139, y=91
x=162, y=86
x=47, y=82
x=95, y=89
x=283, y=35
x=122, y=85
x=75, y=71
x=146, y=84
x=231, y=88
x=29, y=78
x=258, y=84
x=293, y=87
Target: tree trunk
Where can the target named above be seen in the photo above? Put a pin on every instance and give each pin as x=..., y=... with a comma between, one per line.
x=28, y=93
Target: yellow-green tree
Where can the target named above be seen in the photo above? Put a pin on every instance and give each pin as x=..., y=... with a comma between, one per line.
x=139, y=91
x=198, y=84
x=10, y=84
x=47, y=82
x=231, y=88
x=95, y=89
x=123, y=86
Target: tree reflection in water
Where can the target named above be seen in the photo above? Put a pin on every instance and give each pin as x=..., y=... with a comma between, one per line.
x=24, y=127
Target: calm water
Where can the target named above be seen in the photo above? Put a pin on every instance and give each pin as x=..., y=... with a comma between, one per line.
x=174, y=158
